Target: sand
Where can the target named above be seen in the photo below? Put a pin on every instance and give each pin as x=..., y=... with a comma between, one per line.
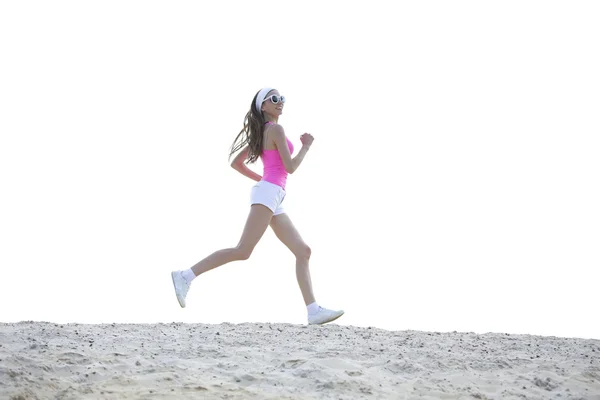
x=40, y=360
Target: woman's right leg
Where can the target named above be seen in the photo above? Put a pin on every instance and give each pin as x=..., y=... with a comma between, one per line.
x=256, y=225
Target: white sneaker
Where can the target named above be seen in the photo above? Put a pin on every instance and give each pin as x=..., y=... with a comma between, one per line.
x=324, y=316
x=181, y=287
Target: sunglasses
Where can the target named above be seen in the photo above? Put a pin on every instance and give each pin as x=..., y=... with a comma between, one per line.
x=275, y=99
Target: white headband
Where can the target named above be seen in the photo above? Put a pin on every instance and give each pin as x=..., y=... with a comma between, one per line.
x=260, y=98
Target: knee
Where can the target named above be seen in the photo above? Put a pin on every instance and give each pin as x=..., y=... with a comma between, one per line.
x=303, y=252
x=242, y=253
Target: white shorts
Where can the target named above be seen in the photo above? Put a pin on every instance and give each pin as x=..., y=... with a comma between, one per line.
x=268, y=194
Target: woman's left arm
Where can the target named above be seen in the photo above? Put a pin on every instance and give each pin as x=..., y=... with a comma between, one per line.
x=239, y=166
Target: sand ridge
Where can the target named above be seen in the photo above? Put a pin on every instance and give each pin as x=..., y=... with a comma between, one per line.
x=42, y=360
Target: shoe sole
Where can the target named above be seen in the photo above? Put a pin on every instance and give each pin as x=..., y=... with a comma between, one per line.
x=328, y=321
x=175, y=287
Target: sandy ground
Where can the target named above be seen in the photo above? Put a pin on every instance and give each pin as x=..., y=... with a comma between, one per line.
x=40, y=360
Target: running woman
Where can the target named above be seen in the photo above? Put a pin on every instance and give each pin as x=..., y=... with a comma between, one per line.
x=262, y=137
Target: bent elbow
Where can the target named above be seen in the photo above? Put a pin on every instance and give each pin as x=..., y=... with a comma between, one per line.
x=290, y=166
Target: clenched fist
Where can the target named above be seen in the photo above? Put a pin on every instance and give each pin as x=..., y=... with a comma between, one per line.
x=307, y=139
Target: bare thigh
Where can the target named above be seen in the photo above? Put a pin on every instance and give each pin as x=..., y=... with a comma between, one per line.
x=256, y=225
x=285, y=230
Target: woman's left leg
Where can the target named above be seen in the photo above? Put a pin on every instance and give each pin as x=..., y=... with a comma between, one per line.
x=288, y=234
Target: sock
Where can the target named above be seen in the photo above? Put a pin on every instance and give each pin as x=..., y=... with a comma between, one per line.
x=312, y=308
x=188, y=275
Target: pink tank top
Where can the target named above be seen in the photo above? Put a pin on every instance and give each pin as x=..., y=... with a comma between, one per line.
x=274, y=170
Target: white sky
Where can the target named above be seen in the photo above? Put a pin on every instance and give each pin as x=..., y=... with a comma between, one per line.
x=453, y=183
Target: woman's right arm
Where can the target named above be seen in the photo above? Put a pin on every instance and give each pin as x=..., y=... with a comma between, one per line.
x=239, y=166
x=290, y=164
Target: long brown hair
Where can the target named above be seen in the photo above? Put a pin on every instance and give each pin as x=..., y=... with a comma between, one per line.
x=252, y=134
